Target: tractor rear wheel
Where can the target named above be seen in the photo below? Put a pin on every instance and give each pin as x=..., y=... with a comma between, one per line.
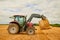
x=13, y=28
x=30, y=31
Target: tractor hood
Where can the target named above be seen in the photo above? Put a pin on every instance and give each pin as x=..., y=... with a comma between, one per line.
x=29, y=24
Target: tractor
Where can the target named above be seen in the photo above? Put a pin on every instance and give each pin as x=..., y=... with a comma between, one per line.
x=20, y=24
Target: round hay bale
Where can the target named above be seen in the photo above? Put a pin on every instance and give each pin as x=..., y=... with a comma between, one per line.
x=44, y=24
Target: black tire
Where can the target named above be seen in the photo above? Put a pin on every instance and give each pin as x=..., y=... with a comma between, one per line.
x=13, y=28
x=30, y=31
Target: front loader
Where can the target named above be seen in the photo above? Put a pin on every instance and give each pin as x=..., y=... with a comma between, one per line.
x=20, y=24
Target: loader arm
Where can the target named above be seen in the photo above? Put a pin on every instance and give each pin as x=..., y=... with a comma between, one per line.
x=35, y=16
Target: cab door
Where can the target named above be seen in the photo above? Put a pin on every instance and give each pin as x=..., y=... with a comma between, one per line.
x=22, y=21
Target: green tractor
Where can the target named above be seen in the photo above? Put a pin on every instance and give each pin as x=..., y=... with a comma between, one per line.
x=20, y=24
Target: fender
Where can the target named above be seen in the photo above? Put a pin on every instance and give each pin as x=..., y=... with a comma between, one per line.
x=15, y=23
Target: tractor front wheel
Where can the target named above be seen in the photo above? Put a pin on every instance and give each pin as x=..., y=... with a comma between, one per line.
x=13, y=28
x=30, y=31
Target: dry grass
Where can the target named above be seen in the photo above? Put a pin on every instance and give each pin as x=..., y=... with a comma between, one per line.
x=50, y=34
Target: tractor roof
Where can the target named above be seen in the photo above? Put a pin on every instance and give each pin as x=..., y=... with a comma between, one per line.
x=19, y=15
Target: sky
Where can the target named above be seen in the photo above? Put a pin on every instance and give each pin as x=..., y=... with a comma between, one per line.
x=49, y=8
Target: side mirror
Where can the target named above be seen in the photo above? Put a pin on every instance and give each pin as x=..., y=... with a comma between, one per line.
x=9, y=17
x=12, y=17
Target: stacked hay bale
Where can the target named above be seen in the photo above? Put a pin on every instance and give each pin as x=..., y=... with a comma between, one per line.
x=44, y=23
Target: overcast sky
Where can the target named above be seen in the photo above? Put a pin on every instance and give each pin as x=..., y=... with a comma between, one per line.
x=49, y=8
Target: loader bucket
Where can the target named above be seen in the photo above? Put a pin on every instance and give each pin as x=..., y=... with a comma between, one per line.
x=44, y=24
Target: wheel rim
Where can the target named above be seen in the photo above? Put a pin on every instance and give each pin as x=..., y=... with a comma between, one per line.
x=30, y=31
x=12, y=30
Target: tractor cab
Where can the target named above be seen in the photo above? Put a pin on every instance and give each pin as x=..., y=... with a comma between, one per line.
x=20, y=19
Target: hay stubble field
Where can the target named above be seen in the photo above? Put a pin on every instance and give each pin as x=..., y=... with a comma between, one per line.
x=49, y=34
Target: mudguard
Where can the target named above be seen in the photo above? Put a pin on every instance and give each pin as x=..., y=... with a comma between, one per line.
x=15, y=23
